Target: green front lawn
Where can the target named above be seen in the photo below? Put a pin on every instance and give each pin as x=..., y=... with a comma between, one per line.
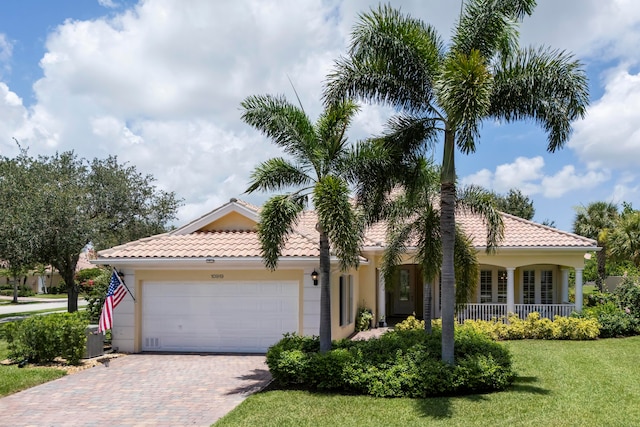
x=560, y=383
x=14, y=379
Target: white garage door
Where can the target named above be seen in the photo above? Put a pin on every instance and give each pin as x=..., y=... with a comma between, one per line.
x=217, y=317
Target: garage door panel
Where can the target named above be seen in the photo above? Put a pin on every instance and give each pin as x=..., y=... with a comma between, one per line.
x=222, y=317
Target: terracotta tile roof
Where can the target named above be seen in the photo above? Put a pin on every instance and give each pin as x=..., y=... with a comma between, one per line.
x=220, y=244
x=518, y=233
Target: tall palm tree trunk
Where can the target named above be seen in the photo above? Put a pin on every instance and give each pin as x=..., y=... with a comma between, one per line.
x=325, y=293
x=426, y=306
x=448, y=230
x=601, y=258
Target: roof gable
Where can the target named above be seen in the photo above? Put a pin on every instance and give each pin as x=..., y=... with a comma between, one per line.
x=232, y=216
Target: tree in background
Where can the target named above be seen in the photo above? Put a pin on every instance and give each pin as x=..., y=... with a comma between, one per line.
x=481, y=75
x=72, y=202
x=18, y=248
x=515, y=203
x=624, y=239
x=595, y=221
x=319, y=153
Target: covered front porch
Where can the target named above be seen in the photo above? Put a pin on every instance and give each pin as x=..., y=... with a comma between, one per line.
x=500, y=290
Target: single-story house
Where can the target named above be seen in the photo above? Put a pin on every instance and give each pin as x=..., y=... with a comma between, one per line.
x=40, y=281
x=204, y=287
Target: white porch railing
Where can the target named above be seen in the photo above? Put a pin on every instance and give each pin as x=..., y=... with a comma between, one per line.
x=490, y=311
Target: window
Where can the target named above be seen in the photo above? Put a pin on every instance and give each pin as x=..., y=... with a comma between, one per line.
x=346, y=300
x=546, y=287
x=404, y=287
x=486, y=285
x=529, y=287
x=502, y=286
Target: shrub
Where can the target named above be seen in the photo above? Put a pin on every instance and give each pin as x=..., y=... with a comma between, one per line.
x=96, y=294
x=628, y=295
x=535, y=327
x=23, y=291
x=87, y=278
x=400, y=363
x=613, y=320
x=410, y=323
x=43, y=338
x=364, y=316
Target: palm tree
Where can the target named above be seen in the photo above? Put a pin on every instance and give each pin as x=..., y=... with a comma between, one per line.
x=482, y=75
x=314, y=169
x=624, y=240
x=595, y=221
x=414, y=221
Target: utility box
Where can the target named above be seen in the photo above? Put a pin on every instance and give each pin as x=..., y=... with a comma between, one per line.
x=95, y=342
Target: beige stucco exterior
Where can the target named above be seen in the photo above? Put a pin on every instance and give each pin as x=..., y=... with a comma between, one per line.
x=195, y=260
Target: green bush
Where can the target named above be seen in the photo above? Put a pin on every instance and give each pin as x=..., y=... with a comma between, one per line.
x=398, y=364
x=97, y=294
x=88, y=278
x=364, y=316
x=535, y=327
x=410, y=323
x=613, y=320
x=628, y=295
x=23, y=291
x=40, y=339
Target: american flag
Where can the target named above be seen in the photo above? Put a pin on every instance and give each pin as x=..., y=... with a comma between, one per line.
x=115, y=294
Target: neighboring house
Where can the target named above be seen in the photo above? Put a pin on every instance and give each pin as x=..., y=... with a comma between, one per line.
x=39, y=281
x=204, y=287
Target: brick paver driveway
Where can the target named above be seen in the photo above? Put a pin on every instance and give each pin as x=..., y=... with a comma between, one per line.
x=141, y=390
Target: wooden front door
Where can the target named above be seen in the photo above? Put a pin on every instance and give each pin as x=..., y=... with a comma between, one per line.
x=404, y=295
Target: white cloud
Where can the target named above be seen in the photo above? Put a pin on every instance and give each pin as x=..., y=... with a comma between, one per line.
x=610, y=134
x=598, y=30
x=160, y=86
x=483, y=178
x=108, y=4
x=567, y=179
x=527, y=175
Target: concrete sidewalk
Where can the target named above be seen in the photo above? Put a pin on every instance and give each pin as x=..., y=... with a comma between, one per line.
x=28, y=304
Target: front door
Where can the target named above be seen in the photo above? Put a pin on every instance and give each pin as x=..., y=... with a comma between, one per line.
x=404, y=292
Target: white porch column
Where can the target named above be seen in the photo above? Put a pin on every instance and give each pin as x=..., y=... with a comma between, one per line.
x=511, y=306
x=382, y=296
x=564, y=297
x=578, y=289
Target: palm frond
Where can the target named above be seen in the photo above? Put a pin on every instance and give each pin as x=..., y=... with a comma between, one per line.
x=547, y=86
x=393, y=59
x=331, y=128
x=490, y=26
x=277, y=174
x=284, y=123
x=466, y=267
x=479, y=201
x=464, y=92
x=278, y=218
x=339, y=219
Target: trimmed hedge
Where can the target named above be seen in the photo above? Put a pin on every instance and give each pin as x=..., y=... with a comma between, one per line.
x=39, y=339
x=535, y=327
x=398, y=364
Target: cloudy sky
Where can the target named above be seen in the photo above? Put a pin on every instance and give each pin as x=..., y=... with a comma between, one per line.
x=159, y=82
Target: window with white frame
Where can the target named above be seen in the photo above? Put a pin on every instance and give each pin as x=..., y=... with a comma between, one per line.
x=546, y=287
x=529, y=287
x=486, y=286
x=502, y=286
x=346, y=299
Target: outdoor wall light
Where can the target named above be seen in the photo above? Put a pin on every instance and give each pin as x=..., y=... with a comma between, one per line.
x=314, y=276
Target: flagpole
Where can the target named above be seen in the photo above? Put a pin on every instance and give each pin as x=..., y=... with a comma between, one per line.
x=121, y=280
